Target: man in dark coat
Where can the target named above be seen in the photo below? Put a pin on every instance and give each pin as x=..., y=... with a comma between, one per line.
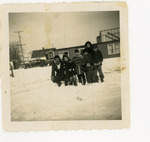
x=57, y=74
x=97, y=59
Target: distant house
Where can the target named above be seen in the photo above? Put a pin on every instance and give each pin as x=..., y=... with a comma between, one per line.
x=40, y=54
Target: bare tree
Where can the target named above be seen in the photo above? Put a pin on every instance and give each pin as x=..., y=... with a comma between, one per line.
x=14, y=52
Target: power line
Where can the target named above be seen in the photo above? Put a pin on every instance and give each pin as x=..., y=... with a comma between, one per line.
x=20, y=44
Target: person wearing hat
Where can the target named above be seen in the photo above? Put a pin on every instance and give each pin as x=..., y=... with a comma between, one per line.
x=57, y=74
x=97, y=59
x=88, y=66
x=88, y=47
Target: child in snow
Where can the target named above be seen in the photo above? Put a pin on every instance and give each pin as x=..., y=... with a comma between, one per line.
x=88, y=67
x=57, y=74
x=78, y=60
x=69, y=70
x=97, y=59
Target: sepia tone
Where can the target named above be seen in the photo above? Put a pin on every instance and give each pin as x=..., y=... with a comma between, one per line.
x=36, y=38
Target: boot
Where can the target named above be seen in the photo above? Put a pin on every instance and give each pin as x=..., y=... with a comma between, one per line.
x=59, y=84
x=84, y=82
x=70, y=83
x=66, y=83
x=102, y=78
x=75, y=83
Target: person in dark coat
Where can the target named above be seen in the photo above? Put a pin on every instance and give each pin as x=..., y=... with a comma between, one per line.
x=69, y=70
x=57, y=74
x=88, y=47
x=88, y=67
x=79, y=62
x=97, y=59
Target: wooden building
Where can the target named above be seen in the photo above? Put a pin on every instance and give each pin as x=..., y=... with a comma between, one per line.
x=108, y=42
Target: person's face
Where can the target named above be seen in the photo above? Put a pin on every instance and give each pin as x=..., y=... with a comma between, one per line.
x=88, y=45
x=95, y=49
x=77, y=53
x=65, y=59
x=57, y=60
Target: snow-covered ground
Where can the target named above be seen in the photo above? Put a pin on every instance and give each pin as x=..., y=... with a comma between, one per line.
x=34, y=97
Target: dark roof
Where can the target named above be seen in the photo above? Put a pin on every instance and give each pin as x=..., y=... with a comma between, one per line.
x=74, y=47
x=40, y=53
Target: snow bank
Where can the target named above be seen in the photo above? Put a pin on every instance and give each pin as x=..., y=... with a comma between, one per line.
x=35, y=97
x=110, y=65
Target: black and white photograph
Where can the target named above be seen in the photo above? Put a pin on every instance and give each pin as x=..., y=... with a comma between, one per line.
x=67, y=66
x=56, y=57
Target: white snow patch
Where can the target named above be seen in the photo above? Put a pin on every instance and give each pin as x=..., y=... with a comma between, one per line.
x=34, y=97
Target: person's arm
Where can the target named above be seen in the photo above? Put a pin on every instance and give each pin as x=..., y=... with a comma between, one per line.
x=101, y=56
x=93, y=59
x=53, y=70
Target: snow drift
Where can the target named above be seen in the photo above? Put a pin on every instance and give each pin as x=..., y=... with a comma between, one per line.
x=35, y=98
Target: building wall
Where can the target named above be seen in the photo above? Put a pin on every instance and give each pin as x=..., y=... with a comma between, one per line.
x=69, y=50
x=103, y=47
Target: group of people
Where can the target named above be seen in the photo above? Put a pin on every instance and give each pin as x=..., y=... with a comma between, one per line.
x=86, y=67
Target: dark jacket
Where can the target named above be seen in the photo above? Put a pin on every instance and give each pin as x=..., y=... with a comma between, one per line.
x=87, y=62
x=69, y=68
x=79, y=62
x=87, y=58
x=56, y=71
x=89, y=50
x=97, y=56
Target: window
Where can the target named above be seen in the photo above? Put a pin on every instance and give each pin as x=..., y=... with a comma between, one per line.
x=113, y=48
x=50, y=55
x=117, y=48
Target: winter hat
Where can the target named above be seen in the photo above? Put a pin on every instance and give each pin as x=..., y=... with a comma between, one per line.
x=76, y=50
x=88, y=42
x=56, y=56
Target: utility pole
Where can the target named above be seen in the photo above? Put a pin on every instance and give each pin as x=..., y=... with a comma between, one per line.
x=20, y=44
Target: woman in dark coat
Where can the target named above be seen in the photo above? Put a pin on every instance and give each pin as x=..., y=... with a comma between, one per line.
x=88, y=47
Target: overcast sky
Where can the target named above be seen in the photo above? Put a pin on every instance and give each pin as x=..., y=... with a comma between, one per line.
x=59, y=29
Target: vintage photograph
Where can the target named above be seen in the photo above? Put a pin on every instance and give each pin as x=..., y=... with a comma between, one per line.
x=65, y=66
